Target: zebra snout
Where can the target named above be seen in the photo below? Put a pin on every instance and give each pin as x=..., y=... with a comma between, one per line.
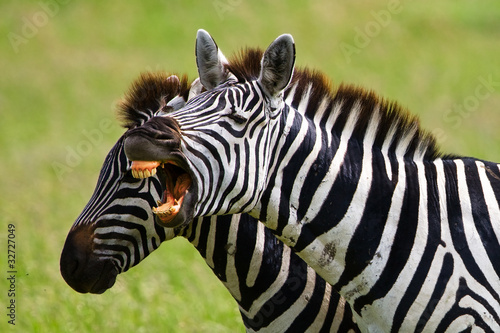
x=81, y=268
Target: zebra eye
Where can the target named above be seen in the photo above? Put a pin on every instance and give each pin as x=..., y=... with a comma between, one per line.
x=237, y=115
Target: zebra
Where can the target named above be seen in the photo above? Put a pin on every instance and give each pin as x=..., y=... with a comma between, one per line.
x=275, y=290
x=408, y=235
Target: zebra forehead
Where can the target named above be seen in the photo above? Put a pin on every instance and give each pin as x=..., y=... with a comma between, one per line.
x=147, y=94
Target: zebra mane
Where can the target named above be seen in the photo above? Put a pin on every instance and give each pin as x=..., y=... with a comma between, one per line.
x=147, y=94
x=393, y=119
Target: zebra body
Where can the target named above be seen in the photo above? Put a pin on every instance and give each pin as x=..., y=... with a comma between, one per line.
x=350, y=182
x=275, y=290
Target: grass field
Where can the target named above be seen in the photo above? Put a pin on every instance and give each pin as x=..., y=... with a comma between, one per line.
x=65, y=64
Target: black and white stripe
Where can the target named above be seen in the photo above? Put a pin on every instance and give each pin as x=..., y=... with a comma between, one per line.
x=410, y=237
x=275, y=290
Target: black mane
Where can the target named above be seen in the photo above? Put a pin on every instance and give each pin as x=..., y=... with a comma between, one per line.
x=151, y=91
x=147, y=94
x=246, y=66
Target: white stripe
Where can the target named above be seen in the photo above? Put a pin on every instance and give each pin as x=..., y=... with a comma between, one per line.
x=196, y=239
x=471, y=234
x=323, y=189
x=283, y=322
x=325, y=309
x=304, y=100
x=365, y=281
x=305, y=168
x=339, y=314
x=291, y=94
x=209, y=251
x=419, y=244
x=232, y=280
x=330, y=122
x=273, y=211
x=256, y=261
x=317, y=254
x=404, y=143
x=389, y=137
x=490, y=199
x=274, y=287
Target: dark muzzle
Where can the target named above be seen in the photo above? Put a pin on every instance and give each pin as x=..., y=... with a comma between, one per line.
x=81, y=268
x=156, y=140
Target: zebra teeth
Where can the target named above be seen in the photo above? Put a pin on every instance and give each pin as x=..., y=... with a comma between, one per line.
x=144, y=169
x=163, y=213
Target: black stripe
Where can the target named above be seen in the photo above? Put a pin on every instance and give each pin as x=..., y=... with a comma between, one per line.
x=366, y=239
x=119, y=209
x=439, y=288
x=481, y=216
x=236, y=176
x=403, y=242
x=279, y=157
x=302, y=322
x=433, y=241
x=222, y=246
x=339, y=198
x=456, y=224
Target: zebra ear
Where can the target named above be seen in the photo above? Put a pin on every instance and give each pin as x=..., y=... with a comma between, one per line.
x=277, y=65
x=210, y=61
x=196, y=88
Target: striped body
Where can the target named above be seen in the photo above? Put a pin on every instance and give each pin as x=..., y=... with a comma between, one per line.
x=275, y=290
x=350, y=182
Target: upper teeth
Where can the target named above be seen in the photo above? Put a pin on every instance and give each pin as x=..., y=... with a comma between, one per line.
x=143, y=173
x=144, y=169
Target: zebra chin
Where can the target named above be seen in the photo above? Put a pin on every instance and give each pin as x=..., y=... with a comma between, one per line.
x=81, y=268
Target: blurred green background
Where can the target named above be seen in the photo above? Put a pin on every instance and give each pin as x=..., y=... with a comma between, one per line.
x=65, y=64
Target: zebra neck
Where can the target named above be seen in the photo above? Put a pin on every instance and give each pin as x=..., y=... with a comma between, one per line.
x=362, y=216
x=332, y=191
x=254, y=267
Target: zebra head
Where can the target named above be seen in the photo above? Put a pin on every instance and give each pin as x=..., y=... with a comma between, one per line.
x=116, y=229
x=219, y=140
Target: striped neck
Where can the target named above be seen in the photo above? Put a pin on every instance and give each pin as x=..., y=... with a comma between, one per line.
x=275, y=290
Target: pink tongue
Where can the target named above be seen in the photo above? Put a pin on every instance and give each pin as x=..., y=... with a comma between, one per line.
x=181, y=186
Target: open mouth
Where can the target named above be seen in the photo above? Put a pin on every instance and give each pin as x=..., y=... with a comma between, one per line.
x=176, y=182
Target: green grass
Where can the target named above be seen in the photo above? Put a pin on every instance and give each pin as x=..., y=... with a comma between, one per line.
x=72, y=70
